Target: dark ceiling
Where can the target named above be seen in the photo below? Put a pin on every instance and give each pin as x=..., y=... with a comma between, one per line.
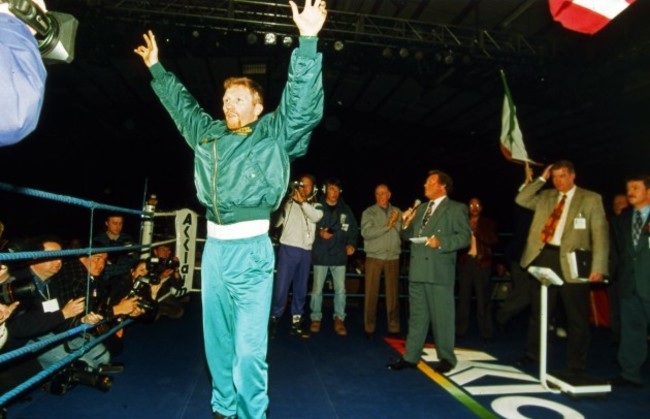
x=388, y=118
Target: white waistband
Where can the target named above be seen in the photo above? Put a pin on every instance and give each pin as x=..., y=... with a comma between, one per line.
x=240, y=230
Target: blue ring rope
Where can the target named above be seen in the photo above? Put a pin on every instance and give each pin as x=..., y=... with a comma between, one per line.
x=62, y=362
x=69, y=199
x=26, y=255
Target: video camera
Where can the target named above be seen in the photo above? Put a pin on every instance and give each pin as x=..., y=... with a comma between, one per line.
x=55, y=32
x=295, y=185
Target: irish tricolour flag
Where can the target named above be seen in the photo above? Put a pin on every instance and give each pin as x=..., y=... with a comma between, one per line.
x=512, y=141
x=586, y=16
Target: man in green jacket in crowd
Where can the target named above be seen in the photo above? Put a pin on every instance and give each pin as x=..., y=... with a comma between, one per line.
x=241, y=170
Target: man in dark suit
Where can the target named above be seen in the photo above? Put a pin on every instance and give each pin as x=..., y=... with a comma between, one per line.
x=474, y=268
x=438, y=229
x=565, y=218
x=631, y=256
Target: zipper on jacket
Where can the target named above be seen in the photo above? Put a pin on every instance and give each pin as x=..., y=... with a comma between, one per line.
x=214, y=183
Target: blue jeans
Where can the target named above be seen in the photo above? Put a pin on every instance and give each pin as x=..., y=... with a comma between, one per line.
x=320, y=273
x=95, y=356
x=236, y=288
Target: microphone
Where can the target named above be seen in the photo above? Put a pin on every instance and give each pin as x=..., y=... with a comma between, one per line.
x=409, y=212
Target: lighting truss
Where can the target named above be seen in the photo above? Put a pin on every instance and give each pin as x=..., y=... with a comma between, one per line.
x=354, y=28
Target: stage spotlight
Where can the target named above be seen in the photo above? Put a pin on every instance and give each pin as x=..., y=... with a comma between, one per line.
x=339, y=45
x=251, y=38
x=403, y=52
x=287, y=41
x=419, y=55
x=449, y=58
x=270, y=38
x=196, y=33
x=387, y=52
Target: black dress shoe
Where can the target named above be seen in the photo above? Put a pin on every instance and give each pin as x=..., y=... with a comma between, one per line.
x=400, y=364
x=395, y=335
x=443, y=367
x=370, y=335
x=622, y=382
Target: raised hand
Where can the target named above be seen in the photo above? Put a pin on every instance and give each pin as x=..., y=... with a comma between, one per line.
x=529, y=173
x=149, y=51
x=394, y=215
x=407, y=217
x=311, y=19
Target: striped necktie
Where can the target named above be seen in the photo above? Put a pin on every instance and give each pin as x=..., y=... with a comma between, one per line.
x=427, y=215
x=636, y=227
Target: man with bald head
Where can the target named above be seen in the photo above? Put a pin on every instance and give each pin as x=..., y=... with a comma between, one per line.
x=380, y=227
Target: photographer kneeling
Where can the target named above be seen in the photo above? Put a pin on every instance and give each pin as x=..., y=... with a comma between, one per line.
x=121, y=292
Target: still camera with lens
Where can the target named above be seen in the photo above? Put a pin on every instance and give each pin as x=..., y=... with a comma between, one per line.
x=78, y=373
x=18, y=289
x=156, y=266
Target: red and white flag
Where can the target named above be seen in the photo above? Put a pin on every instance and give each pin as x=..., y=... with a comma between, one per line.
x=586, y=16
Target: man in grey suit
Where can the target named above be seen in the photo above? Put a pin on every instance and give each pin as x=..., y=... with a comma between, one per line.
x=437, y=230
x=631, y=256
x=565, y=218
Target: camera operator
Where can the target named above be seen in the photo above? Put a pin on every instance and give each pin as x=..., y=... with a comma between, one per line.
x=298, y=218
x=131, y=286
x=167, y=286
x=22, y=77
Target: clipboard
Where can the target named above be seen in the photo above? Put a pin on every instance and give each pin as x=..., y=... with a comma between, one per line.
x=579, y=265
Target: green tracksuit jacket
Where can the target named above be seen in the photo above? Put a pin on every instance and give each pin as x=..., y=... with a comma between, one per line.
x=243, y=175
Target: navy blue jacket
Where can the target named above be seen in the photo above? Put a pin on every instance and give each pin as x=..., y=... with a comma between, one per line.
x=341, y=222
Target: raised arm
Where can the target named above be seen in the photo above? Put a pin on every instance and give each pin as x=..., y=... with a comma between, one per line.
x=311, y=19
x=148, y=51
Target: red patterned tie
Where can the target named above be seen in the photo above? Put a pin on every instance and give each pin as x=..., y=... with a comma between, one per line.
x=551, y=224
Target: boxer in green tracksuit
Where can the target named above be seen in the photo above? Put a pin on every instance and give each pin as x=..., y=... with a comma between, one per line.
x=241, y=172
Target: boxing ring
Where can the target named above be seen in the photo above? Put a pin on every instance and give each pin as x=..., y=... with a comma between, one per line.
x=185, y=249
